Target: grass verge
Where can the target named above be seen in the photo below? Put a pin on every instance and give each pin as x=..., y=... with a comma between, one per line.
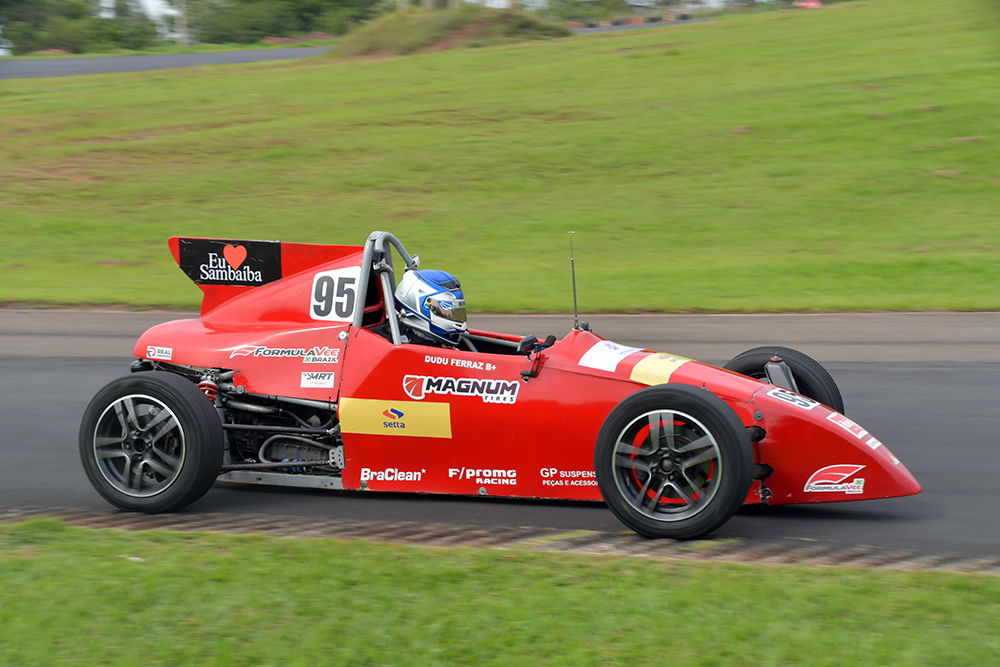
x=842, y=159
x=85, y=597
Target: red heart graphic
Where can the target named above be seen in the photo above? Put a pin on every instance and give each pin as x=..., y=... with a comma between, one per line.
x=235, y=255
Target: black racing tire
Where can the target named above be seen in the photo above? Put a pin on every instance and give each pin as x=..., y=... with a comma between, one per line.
x=151, y=442
x=682, y=483
x=811, y=378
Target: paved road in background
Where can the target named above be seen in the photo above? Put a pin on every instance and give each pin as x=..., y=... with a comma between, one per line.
x=926, y=384
x=52, y=67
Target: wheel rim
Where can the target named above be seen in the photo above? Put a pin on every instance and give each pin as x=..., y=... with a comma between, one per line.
x=139, y=446
x=667, y=465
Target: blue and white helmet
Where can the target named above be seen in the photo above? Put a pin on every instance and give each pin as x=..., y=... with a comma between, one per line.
x=431, y=302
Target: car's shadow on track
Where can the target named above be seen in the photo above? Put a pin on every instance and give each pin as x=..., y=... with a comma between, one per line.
x=818, y=513
x=396, y=497
x=408, y=507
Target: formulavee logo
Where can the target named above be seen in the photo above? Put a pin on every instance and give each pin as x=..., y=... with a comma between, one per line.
x=491, y=391
x=831, y=478
x=314, y=355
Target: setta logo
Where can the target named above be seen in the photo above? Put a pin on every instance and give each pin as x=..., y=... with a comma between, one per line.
x=224, y=262
x=394, y=416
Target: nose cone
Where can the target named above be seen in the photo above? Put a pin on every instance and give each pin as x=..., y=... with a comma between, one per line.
x=906, y=483
x=820, y=456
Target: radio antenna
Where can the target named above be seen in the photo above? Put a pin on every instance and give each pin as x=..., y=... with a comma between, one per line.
x=572, y=267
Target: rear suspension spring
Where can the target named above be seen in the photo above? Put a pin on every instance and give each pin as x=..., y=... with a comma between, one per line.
x=210, y=388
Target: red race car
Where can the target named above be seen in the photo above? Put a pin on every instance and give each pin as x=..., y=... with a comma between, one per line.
x=310, y=367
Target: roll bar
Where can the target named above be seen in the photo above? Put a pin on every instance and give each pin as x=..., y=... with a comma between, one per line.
x=377, y=257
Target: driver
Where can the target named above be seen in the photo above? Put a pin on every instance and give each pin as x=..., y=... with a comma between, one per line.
x=431, y=308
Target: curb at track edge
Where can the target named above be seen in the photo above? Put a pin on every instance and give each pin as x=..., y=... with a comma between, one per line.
x=583, y=542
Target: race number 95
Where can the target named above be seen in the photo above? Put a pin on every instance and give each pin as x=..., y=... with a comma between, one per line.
x=334, y=294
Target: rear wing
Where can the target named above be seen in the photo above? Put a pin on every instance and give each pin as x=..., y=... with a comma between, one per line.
x=225, y=268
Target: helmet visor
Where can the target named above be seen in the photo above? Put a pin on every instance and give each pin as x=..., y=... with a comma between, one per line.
x=452, y=310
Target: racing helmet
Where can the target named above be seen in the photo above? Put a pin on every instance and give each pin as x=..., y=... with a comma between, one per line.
x=431, y=303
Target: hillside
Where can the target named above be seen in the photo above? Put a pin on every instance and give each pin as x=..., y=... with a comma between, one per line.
x=469, y=26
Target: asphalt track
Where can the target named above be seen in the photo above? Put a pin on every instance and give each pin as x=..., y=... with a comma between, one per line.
x=924, y=383
x=53, y=67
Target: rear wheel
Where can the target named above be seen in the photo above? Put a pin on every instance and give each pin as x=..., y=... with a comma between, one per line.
x=151, y=442
x=811, y=378
x=673, y=461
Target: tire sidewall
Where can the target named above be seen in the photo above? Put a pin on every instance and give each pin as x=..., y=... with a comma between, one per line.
x=203, y=439
x=813, y=380
x=735, y=450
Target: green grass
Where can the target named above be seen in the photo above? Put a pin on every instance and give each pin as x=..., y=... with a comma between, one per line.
x=101, y=597
x=797, y=160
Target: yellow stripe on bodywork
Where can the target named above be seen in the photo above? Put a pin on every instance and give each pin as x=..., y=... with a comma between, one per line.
x=419, y=420
x=656, y=368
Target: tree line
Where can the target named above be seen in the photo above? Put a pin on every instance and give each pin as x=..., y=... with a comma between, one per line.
x=81, y=26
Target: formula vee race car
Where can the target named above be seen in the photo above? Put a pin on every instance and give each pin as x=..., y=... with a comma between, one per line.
x=299, y=372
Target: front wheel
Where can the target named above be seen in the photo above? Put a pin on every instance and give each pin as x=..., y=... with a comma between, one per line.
x=151, y=442
x=812, y=379
x=673, y=461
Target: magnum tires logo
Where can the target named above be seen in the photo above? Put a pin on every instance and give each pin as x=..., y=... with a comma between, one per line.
x=491, y=391
x=219, y=262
